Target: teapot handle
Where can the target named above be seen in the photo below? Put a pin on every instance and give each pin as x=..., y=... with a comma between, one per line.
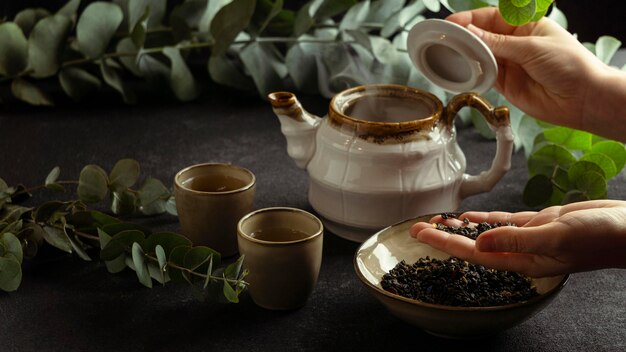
x=498, y=120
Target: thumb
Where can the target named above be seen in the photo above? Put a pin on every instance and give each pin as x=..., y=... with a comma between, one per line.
x=508, y=47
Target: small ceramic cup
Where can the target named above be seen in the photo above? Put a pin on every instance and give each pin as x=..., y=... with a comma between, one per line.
x=283, y=253
x=210, y=200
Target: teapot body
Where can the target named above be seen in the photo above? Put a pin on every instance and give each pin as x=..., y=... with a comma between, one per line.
x=386, y=153
x=360, y=186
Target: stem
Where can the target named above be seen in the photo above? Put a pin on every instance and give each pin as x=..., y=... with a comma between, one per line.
x=556, y=168
x=105, y=56
x=34, y=188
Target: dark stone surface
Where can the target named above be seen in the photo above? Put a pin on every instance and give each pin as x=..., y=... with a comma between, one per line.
x=66, y=304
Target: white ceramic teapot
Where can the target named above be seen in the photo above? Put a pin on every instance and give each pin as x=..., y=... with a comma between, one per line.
x=386, y=153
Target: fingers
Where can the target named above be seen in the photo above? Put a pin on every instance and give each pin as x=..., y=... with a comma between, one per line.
x=518, y=219
x=487, y=17
x=544, y=239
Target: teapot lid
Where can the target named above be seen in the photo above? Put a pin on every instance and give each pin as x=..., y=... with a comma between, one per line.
x=451, y=56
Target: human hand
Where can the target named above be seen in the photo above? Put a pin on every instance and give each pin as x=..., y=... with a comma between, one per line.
x=545, y=71
x=557, y=240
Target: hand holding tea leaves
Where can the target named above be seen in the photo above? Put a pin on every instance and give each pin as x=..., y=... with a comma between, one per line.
x=576, y=237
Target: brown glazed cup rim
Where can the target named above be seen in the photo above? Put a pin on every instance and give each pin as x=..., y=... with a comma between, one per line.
x=278, y=243
x=179, y=184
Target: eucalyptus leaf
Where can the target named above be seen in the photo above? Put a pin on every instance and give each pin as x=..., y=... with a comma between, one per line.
x=230, y=293
x=92, y=184
x=138, y=33
x=606, y=47
x=209, y=272
x=223, y=71
x=330, y=8
x=124, y=174
x=57, y=238
x=170, y=206
x=593, y=185
x=127, y=46
x=53, y=176
x=141, y=268
x=162, y=260
x=197, y=258
x=603, y=161
x=45, y=45
x=356, y=15
x=515, y=15
x=29, y=93
x=233, y=270
x=569, y=138
x=69, y=9
x=301, y=64
x=153, y=69
x=11, y=245
x=123, y=202
x=228, y=22
x=138, y=8
x=435, y=5
x=78, y=83
x=579, y=170
x=401, y=18
x=120, y=243
x=10, y=274
x=177, y=257
x=46, y=211
x=255, y=58
x=464, y=5
x=181, y=80
x=116, y=265
x=210, y=11
x=113, y=79
x=558, y=16
x=537, y=191
x=96, y=27
x=613, y=150
x=303, y=21
x=103, y=219
x=167, y=241
x=77, y=247
x=28, y=18
x=551, y=156
x=575, y=196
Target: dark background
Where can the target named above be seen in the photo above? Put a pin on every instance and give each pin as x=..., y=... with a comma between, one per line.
x=589, y=19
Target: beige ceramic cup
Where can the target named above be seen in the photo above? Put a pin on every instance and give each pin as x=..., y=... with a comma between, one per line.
x=210, y=200
x=283, y=268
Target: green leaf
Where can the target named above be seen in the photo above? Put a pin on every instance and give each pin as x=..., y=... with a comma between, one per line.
x=569, y=138
x=181, y=80
x=606, y=47
x=137, y=9
x=57, y=238
x=69, y=9
x=228, y=22
x=78, y=249
x=170, y=206
x=574, y=196
x=537, y=191
x=112, y=78
x=120, y=243
x=381, y=10
x=48, y=212
x=356, y=15
x=515, y=15
x=223, y=71
x=197, y=258
x=10, y=274
x=209, y=272
x=543, y=5
x=613, y=150
x=259, y=58
x=303, y=21
x=124, y=174
x=92, y=184
x=233, y=270
x=138, y=33
x=53, y=176
x=230, y=293
x=464, y=5
x=330, y=8
x=520, y=3
x=603, y=161
x=593, y=184
x=116, y=265
x=46, y=43
x=177, y=257
x=402, y=18
x=78, y=83
x=166, y=240
x=434, y=5
x=140, y=266
x=29, y=93
x=153, y=69
x=96, y=27
x=126, y=45
x=544, y=160
x=11, y=245
x=162, y=260
x=580, y=168
x=28, y=18
x=123, y=203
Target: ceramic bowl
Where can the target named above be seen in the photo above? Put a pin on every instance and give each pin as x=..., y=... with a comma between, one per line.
x=385, y=249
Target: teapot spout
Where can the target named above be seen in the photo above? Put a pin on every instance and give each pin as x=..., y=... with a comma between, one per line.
x=297, y=125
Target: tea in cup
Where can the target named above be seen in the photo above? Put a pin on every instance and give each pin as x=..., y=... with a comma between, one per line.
x=283, y=253
x=210, y=200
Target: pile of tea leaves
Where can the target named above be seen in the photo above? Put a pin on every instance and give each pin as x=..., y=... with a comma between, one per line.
x=456, y=282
